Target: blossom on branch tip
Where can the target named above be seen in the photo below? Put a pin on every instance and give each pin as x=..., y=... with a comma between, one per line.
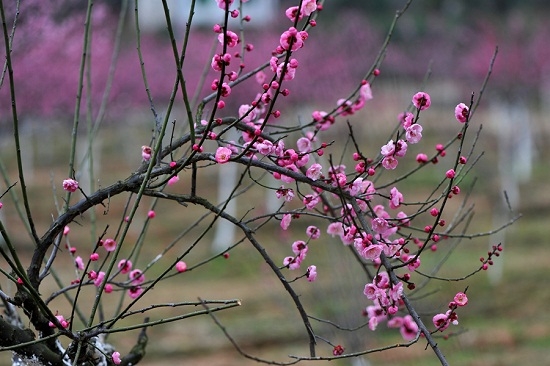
x=311, y=273
x=421, y=101
x=462, y=113
x=70, y=185
x=461, y=299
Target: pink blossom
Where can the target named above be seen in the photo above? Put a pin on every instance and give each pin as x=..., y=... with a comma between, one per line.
x=247, y=113
x=304, y=159
x=265, y=147
x=379, y=225
x=412, y=266
x=61, y=319
x=94, y=257
x=441, y=321
x=109, y=245
x=300, y=247
x=461, y=299
x=137, y=277
x=339, y=180
x=116, y=358
x=223, y=154
x=403, y=218
x=135, y=291
x=414, y=133
x=125, y=266
x=462, y=113
x=291, y=39
x=400, y=148
x=293, y=12
x=356, y=187
x=450, y=173
x=151, y=214
x=395, y=198
x=421, y=100
x=310, y=201
x=224, y=4
x=70, y=185
x=406, y=120
x=389, y=163
x=303, y=144
x=231, y=39
x=173, y=180
x=311, y=273
x=388, y=149
x=372, y=292
x=108, y=288
x=99, y=279
x=285, y=222
x=313, y=232
x=373, y=323
x=79, y=263
x=225, y=92
x=372, y=252
x=308, y=7
x=422, y=158
x=290, y=72
x=396, y=292
x=365, y=92
x=181, y=266
x=66, y=229
x=286, y=193
x=382, y=280
x=292, y=263
x=146, y=152
x=409, y=329
x=335, y=228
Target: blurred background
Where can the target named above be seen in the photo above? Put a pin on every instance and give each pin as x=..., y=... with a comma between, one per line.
x=441, y=46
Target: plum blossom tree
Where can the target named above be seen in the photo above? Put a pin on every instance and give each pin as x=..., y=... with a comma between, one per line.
x=365, y=208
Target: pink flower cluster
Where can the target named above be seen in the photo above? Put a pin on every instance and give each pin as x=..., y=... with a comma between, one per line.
x=442, y=321
x=387, y=300
x=413, y=133
x=300, y=249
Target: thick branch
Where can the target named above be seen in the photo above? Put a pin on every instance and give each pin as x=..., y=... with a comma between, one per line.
x=11, y=335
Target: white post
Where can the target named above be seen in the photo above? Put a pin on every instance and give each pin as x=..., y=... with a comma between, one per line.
x=515, y=155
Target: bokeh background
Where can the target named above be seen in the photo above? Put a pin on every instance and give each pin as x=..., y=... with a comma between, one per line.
x=442, y=47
